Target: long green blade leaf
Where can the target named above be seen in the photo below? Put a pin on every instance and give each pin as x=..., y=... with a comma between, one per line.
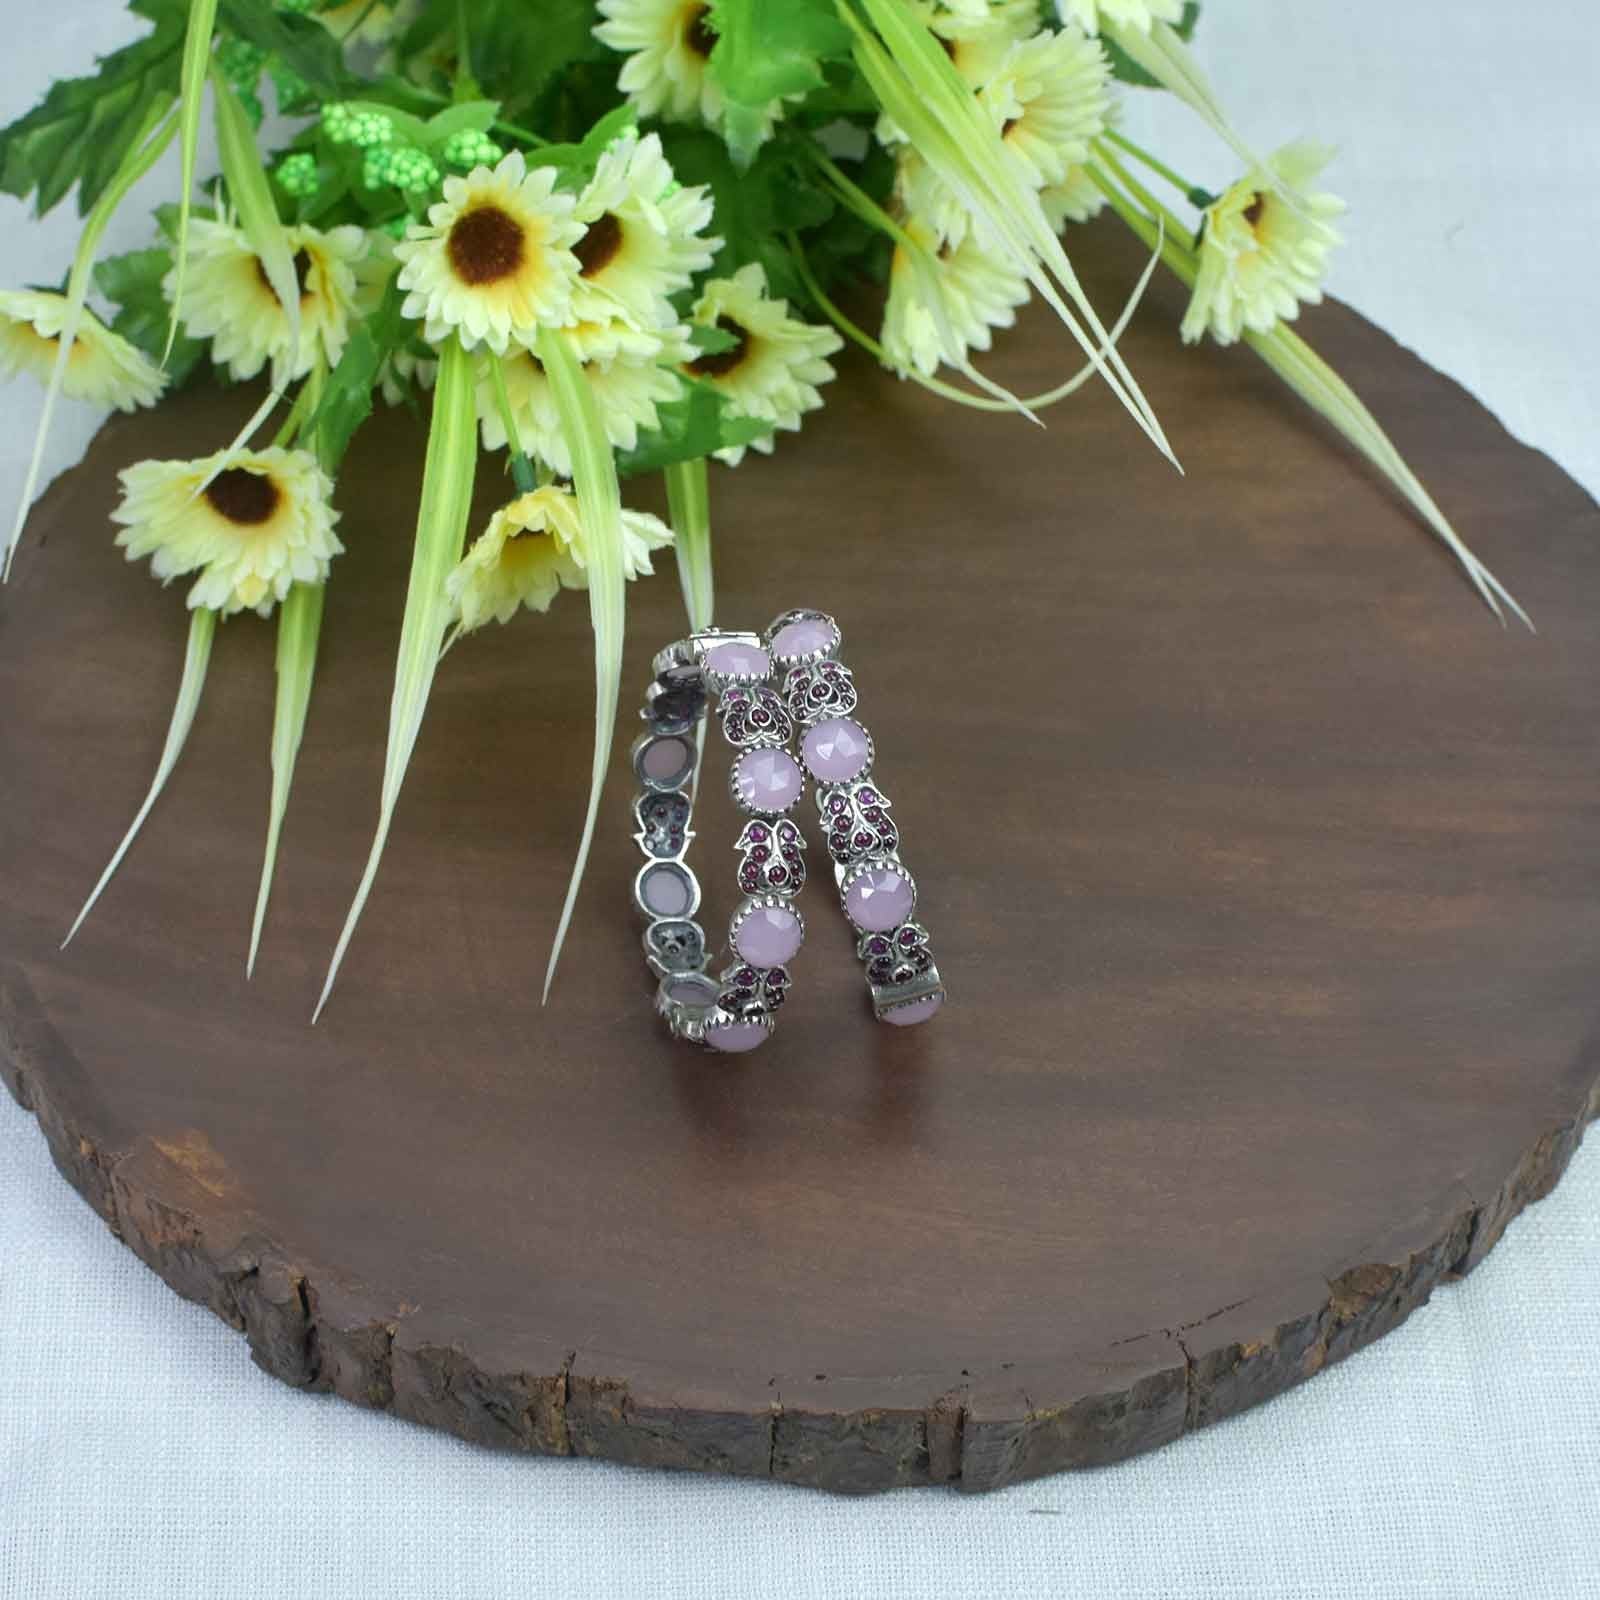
x=142, y=154
x=919, y=87
x=442, y=512
x=299, y=626
x=251, y=195
x=1307, y=374
x=594, y=480
x=202, y=630
x=196, y=55
x=689, y=507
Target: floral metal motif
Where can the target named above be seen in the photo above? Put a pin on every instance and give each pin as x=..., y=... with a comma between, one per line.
x=747, y=990
x=664, y=831
x=772, y=858
x=857, y=818
x=821, y=689
x=754, y=718
x=896, y=957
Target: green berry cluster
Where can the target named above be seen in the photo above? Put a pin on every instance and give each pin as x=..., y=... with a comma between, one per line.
x=366, y=130
x=241, y=63
x=404, y=168
x=298, y=176
x=471, y=148
x=295, y=95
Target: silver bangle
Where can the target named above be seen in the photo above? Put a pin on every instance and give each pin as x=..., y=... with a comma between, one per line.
x=876, y=890
x=733, y=1012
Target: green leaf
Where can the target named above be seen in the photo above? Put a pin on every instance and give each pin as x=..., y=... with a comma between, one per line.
x=698, y=423
x=576, y=162
x=594, y=482
x=689, y=507
x=442, y=512
x=779, y=192
x=474, y=115
x=299, y=625
x=1124, y=67
x=347, y=398
x=196, y=55
x=300, y=42
x=202, y=630
x=84, y=127
x=764, y=51
x=132, y=282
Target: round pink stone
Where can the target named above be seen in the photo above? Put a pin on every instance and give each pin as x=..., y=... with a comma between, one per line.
x=736, y=1037
x=914, y=1011
x=804, y=637
x=738, y=660
x=664, y=760
x=836, y=750
x=879, y=899
x=767, y=780
x=769, y=937
x=666, y=891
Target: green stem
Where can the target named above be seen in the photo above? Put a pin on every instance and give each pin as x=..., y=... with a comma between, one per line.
x=689, y=507
x=858, y=200
x=522, y=473
x=1200, y=198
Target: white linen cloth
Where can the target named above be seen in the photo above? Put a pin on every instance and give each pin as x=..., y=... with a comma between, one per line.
x=142, y=1454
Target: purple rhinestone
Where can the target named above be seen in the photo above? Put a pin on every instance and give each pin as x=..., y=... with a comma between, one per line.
x=879, y=946
x=837, y=804
x=758, y=833
x=760, y=853
x=908, y=937
x=777, y=876
x=874, y=814
x=868, y=797
x=745, y=977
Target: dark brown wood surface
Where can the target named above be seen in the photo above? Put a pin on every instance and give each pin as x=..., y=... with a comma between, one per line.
x=1263, y=866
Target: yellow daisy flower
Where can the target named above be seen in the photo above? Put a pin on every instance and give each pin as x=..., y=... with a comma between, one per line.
x=495, y=257
x=1264, y=248
x=1049, y=98
x=977, y=291
x=103, y=367
x=627, y=388
x=228, y=300
x=1140, y=14
x=533, y=548
x=263, y=523
x=643, y=236
x=776, y=362
x=668, y=44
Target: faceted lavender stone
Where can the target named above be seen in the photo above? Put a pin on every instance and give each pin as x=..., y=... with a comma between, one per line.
x=914, y=1011
x=769, y=937
x=665, y=760
x=803, y=637
x=665, y=891
x=837, y=750
x=737, y=660
x=767, y=780
x=736, y=1037
x=879, y=899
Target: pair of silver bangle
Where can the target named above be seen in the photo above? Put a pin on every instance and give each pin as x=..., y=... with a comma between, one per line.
x=771, y=689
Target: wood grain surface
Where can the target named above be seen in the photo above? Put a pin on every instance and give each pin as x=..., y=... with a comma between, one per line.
x=1264, y=869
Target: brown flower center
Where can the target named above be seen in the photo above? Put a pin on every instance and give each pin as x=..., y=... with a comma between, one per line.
x=302, y=273
x=245, y=497
x=719, y=363
x=697, y=34
x=598, y=248
x=1258, y=205
x=485, y=245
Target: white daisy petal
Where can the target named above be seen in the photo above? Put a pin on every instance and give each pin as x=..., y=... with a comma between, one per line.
x=1264, y=248
x=1049, y=97
x=1140, y=14
x=103, y=367
x=772, y=370
x=264, y=522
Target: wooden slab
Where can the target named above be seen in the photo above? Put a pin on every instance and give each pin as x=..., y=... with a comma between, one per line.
x=1263, y=866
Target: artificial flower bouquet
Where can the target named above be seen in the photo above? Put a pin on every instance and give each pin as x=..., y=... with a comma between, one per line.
x=602, y=240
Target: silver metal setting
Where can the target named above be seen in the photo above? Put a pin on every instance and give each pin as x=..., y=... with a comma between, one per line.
x=860, y=833
x=737, y=1007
